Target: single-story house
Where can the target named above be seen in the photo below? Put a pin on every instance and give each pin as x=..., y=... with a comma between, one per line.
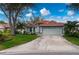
x=47, y=28
x=4, y=26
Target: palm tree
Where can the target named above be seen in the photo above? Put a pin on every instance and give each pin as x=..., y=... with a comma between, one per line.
x=70, y=27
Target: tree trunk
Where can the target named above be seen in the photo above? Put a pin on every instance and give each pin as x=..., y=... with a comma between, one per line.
x=11, y=25
x=14, y=28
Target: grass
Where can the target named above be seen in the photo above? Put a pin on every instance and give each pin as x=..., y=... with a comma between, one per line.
x=17, y=40
x=73, y=40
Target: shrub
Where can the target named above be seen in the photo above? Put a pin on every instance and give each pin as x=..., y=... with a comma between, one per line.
x=5, y=35
x=76, y=34
x=2, y=38
x=6, y=32
x=1, y=32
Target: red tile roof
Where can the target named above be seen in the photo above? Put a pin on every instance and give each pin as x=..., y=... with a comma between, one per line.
x=51, y=23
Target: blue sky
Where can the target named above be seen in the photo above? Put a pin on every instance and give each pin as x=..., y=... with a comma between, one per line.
x=49, y=11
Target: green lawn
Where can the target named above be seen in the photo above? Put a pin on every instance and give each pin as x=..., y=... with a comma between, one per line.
x=73, y=40
x=16, y=40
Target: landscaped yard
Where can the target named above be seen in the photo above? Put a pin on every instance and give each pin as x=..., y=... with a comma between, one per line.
x=73, y=40
x=16, y=40
x=71, y=32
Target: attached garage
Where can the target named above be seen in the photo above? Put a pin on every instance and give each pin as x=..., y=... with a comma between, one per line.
x=52, y=30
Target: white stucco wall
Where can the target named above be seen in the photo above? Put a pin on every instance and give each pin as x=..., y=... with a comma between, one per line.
x=49, y=30
x=37, y=29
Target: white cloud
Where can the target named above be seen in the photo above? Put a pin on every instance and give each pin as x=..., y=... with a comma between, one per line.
x=62, y=21
x=32, y=11
x=1, y=12
x=29, y=14
x=72, y=17
x=52, y=18
x=44, y=12
x=77, y=19
x=70, y=13
x=65, y=18
x=58, y=17
x=61, y=10
x=68, y=18
x=57, y=20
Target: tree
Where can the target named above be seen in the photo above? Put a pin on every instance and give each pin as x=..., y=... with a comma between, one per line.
x=73, y=25
x=12, y=11
x=36, y=21
x=74, y=6
x=21, y=25
x=70, y=27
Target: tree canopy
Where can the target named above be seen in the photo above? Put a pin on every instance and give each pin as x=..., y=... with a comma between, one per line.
x=74, y=6
x=12, y=12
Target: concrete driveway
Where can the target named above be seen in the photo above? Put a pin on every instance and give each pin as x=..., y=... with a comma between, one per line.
x=44, y=45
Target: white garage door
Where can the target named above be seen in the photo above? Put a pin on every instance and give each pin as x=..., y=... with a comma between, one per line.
x=52, y=30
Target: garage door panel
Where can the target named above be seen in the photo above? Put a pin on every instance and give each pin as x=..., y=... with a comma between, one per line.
x=52, y=30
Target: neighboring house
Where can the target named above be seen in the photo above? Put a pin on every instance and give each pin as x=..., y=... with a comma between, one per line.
x=4, y=26
x=47, y=28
